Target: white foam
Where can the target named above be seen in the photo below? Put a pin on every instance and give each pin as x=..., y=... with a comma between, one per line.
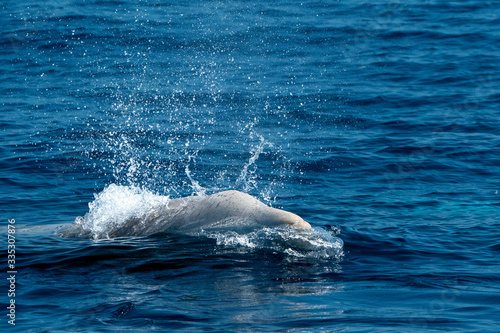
x=115, y=205
x=316, y=242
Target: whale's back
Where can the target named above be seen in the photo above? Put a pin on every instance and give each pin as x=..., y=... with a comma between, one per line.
x=228, y=210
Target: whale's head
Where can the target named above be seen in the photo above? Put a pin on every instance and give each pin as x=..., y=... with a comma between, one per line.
x=284, y=218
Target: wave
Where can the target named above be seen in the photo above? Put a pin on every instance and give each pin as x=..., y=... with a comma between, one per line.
x=313, y=243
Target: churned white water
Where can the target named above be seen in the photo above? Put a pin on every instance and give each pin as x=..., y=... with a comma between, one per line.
x=115, y=205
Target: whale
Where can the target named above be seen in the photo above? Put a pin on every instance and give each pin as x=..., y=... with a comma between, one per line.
x=224, y=211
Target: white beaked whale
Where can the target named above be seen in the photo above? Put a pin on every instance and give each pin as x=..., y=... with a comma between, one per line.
x=224, y=211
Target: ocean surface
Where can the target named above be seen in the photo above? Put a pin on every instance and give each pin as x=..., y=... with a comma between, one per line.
x=376, y=121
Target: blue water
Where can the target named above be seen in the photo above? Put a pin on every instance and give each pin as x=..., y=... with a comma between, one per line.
x=376, y=121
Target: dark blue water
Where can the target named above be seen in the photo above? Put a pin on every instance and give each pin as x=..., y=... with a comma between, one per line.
x=376, y=121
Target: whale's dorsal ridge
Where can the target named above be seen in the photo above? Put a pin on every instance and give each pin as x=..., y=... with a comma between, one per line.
x=227, y=210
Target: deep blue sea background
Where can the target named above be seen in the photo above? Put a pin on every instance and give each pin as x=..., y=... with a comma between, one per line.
x=376, y=121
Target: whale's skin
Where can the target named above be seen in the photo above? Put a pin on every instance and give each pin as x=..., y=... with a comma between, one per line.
x=223, y=211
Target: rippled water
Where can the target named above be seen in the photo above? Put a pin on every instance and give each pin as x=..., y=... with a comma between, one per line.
x=377, y=122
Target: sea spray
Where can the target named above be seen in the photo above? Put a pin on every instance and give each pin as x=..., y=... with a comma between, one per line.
x=115, y=205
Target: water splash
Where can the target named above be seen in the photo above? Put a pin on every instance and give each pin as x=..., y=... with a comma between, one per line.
x=246, y=179
x=313, y=243
x=195, y=185
x=114, y=206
